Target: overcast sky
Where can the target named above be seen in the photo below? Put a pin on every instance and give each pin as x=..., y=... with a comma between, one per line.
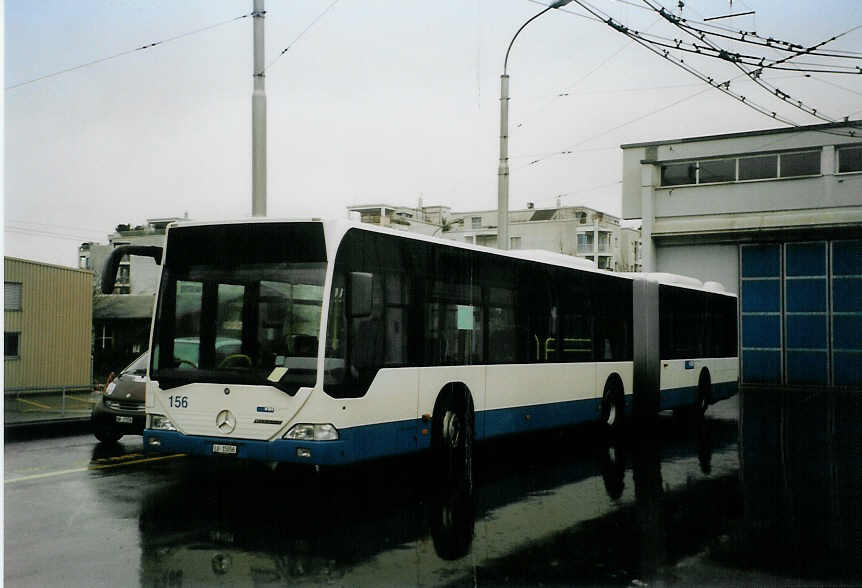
x=381, y=101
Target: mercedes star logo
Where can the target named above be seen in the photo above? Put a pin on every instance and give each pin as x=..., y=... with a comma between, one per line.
x=226, y=421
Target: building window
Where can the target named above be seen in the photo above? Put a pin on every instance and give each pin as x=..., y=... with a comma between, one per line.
x=758, y=168
x=515, y=243
x=717, y=170
x=105, y=340
x=679, y=174
x=585, y=242
x=850, y=159
x=11, y=295
x=486, y=240
x=754, y=167
x=806, y=163
x=11, y=345
x=468, y=239
x=476, y=222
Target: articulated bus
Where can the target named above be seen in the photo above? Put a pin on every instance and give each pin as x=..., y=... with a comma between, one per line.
x=333, y=342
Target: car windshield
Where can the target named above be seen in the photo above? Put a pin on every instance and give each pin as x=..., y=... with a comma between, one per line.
x=244, y=311
x=139, y=366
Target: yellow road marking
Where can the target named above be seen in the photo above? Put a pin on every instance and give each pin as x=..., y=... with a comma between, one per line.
x=134, y=461
x=34, y=403
x=94, y=467
x=116, y=458
x=85, y=401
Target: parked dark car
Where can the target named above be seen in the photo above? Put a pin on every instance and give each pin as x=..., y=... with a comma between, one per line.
x=120, y=409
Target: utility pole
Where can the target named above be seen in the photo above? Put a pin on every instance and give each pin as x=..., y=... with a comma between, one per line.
x=503, y=167
x=258, y=116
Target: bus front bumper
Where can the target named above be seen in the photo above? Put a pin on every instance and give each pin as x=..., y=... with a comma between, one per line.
x=279, y=450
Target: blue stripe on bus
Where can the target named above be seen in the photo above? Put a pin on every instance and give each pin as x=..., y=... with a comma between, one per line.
x=384, y=439
x=396, y=438
x=505, y=421
x=676, y=397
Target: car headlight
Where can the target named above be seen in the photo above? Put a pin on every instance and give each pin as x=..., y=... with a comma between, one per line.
x=309, y=432
x=160, y=423
x=109, y=389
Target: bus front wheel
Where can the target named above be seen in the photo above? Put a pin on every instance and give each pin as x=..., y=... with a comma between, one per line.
x=454, y=442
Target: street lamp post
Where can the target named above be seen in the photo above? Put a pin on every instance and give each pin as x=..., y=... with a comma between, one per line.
x=503, y=169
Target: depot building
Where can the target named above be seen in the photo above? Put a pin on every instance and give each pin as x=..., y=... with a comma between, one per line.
x=775, y=216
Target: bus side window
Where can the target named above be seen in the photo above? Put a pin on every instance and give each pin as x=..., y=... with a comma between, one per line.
x=335, y=325
x=396, y=301
x=576, y=323
x=538, y=314
x=367, y=335
x=503, y=327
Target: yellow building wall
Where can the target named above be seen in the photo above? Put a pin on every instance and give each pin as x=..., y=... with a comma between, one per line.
x=55, y=325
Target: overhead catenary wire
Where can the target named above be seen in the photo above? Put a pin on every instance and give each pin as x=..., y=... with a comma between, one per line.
x=754, y=38
x=571, y=150
x=38, y=225
x=300, y=35
x=756, y=61
x=721, y=86
x=45, y=233
x=128, y=52
x=795, y=48
x=755, y=74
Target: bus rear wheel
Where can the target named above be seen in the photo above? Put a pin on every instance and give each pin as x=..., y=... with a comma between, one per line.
x=704, y=393
x=613, y=407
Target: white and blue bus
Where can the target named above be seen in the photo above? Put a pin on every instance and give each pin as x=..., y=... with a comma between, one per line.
x=334, y=342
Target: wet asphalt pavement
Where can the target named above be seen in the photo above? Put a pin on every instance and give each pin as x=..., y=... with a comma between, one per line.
x=772, y=498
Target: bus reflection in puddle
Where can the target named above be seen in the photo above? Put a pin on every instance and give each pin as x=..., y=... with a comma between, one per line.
x=386, y=523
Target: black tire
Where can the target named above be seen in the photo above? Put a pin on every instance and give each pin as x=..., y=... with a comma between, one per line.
x=613, y=407
x=454, y=441
x=613, y=468
x=106, y=435
x=704, y=394
x=453, y=518
x=693, y=414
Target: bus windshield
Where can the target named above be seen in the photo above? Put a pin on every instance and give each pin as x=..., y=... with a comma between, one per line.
x=240, y=304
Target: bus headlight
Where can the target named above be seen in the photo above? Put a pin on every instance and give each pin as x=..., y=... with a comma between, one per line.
x=309, y=432
x=160, y=423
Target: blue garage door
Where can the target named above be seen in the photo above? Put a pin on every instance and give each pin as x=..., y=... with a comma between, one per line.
x=801, y=312
x=760, y=307
x=805, y=318
x=847, y=312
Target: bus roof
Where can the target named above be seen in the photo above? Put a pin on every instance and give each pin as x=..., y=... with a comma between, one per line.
x=341, y=226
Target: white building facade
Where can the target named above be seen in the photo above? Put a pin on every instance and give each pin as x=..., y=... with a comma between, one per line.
x=572, y=230
x=775, y=216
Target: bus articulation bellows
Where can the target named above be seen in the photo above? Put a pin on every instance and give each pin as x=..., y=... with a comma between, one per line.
x=334, y=342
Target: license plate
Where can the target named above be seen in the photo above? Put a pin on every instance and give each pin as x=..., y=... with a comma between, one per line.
x=124, y=419
x=224, y=449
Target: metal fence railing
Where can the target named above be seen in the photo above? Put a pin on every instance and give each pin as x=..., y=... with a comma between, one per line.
x=46, y=403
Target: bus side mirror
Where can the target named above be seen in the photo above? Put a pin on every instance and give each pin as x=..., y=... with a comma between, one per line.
x=109, y=271
x=359, y=294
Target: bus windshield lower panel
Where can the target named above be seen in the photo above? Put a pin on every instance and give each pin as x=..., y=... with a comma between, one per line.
x=240, y=304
